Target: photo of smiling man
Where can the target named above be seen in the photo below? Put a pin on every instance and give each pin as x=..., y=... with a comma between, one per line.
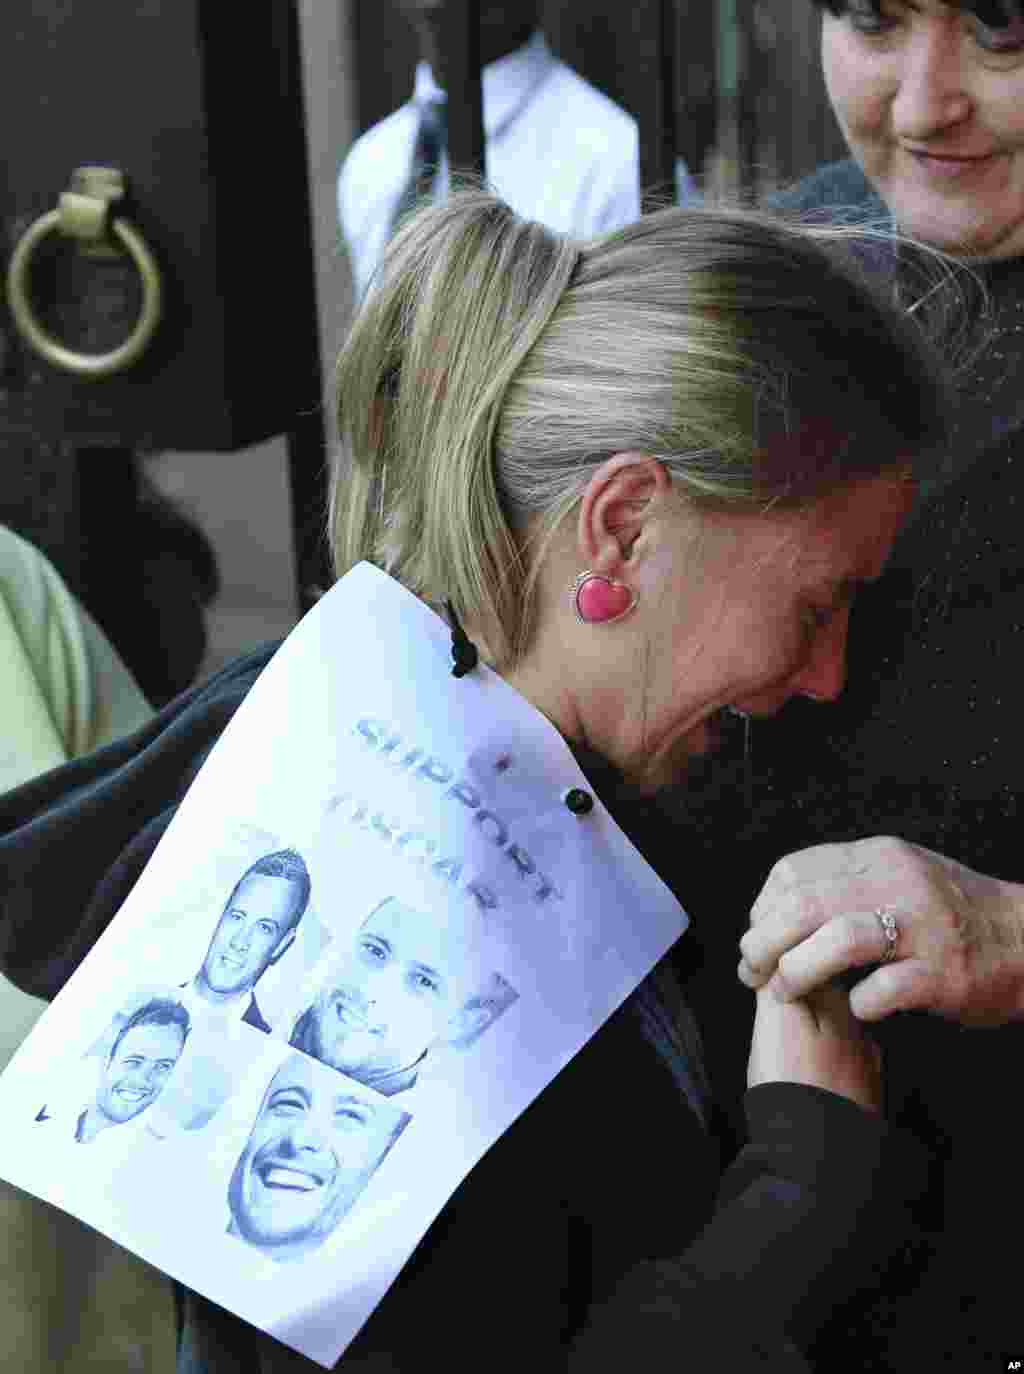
x=256, y=928
x=317, y=1140
x=407, y=984
x=134, y=1073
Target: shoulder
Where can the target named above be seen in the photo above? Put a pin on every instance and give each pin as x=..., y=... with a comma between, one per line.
x=18, y=558
x=104, y=813
x=838, y=186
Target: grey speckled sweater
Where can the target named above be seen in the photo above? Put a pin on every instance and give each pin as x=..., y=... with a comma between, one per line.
x=927, y=743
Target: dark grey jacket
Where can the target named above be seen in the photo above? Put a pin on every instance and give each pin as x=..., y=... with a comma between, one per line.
x=600, y=1231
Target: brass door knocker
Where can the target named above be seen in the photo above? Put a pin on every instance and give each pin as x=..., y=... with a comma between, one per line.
x=84, y=213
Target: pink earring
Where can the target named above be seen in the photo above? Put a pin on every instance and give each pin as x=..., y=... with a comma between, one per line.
x=599, y=600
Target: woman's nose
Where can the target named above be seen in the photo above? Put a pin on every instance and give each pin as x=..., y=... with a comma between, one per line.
x=931, y=95
x=823, y=677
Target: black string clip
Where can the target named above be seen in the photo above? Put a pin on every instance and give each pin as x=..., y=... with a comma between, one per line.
x=464, y=651
x=579, y=802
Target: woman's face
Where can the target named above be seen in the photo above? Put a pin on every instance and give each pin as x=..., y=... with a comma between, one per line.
x=931, y=103
x=747, y=612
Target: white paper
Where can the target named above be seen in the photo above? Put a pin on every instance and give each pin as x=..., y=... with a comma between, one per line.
x=464, y=935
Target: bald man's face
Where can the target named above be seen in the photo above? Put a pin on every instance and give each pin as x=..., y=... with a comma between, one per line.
x=395, y=993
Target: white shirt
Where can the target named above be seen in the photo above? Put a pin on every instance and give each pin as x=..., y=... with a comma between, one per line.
x=558, y=151
x=218, y=1016
x=64, y=1116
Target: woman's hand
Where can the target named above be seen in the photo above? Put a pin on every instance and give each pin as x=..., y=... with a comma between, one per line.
x=960, y=945
x=816, y=1041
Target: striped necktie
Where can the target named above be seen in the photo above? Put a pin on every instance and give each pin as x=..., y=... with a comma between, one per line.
x=426, y=158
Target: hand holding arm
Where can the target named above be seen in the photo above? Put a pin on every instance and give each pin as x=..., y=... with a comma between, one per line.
x=960, y=946
x=818, y=1042
x=809, y=1214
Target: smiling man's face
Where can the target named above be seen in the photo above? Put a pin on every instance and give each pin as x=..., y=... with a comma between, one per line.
x=315, y=1143
x=254, y=930
x=137, y=1071
x=394, y=994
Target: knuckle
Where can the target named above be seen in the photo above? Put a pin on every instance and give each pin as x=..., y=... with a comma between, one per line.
x=850, y=939
x=788, y=970
x=890, y=846
x=861, y=940
x=785, y=871
x=750, y=948
x=959, y=983
x=889, y=852
x=808, y=911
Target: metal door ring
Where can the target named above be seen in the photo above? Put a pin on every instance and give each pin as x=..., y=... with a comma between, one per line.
x=88, y=365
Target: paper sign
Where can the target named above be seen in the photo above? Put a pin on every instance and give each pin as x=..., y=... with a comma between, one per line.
x=372, y=934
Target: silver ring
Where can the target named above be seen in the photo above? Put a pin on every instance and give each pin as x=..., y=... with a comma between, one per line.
x=891, y=931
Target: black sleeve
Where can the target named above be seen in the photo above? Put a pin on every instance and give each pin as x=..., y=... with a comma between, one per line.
x=817, y=1201
x=74, y=841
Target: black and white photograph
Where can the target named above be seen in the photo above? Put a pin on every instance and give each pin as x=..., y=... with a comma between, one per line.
x=403, y=988
x=317, y=1140
x=256, y=929
x=131, y=1066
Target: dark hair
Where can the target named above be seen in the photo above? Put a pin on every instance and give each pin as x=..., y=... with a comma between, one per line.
x=995, y=14
x=158, y=1011
x=283, y=863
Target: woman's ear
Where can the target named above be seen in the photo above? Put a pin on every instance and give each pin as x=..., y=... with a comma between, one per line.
x=623, y=493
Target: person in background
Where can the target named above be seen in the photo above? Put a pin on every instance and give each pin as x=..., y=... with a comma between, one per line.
x=64, y=690
x=889, y=828
x=557, y=149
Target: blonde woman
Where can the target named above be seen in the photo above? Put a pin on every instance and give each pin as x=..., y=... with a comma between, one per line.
x=646, y=473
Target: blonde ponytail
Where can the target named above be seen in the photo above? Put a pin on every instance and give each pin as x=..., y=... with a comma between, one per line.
x=464, y=293
x=494, y=364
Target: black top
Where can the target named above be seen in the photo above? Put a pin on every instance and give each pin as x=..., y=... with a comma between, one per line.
x=926, y=744
x=588, y=1236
